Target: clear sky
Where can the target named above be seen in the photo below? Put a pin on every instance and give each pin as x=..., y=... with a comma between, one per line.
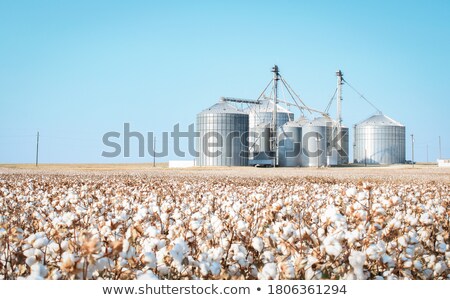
x=75, y=70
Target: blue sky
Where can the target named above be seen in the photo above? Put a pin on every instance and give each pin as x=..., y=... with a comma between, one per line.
x=75, y=70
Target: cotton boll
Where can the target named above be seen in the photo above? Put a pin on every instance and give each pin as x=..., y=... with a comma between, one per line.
x=269, y=272
x=396, y=200
x=267, y=257
x=34, y=276
x=53, y=247
x=160, y=255
x=353, y=236
x=150, y=259
x=179, y=250
x=361, y=215
x=412, y=220
x=442, y=247
x=242, y=226
x=196, y=224
x=233, y=269
x=123, y=216
x=258, y=244
x=215, y=268
x=152, y=231
x=332, y=246
x=288, y=270
x=351, y=192
x=204, y=269
x=30, y=260
x=288, y=231
x=68, y=262
x=375, y=251
x=163, y=270
x=309, y=274
x=407, y=264
x=55, y=274
x=403, y=241
x=427, y=273
x=148, y=275
x=40, y=242
x=357, y=260
x=103, y=263
x=426, y=219
x=388, y=260
x=30, y=239
x=39, y=269
x=439, y=268
x=361, y=196
x=30, y=252
x=418, y=265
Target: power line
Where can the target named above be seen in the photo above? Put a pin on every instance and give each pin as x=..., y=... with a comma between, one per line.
x=362, y=96
x=37, y=149
x=331, y=101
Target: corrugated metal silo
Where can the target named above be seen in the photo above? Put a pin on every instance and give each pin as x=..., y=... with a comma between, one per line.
x=338, y=146
x=290, y=143
x=223, y=137
x=343, y=152
x=260, y=145
x=379, y=140
x=260, y=115
x=315, y=136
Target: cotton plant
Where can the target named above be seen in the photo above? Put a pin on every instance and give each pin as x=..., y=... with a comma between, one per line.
x=129, y=226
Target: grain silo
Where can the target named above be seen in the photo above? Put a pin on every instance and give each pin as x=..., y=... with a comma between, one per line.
x=223, y=139
x=315, y=138
x=260, y=152
x=379, y=140
x=290, y=143
x=341, y=145
x=337, y=144
x=261, y=115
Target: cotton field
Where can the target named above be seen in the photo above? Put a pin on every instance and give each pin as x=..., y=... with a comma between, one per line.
x=212, y=226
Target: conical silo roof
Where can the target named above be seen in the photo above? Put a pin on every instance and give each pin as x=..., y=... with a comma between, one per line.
x=222, y=107
x=267, y=106
x=298, y=123
x=321, y=121
x=379, y=120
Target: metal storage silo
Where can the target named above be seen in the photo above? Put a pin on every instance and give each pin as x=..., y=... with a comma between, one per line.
x=260, y=115
x=260, y=145
x=290, y=143
x=343, y=150
x=223, y=139
x=315, y=137
x=338, y=145
x=379, y=140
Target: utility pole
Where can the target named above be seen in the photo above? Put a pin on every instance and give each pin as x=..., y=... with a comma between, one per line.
x=412, y=149
x=339, y=96
x=37, y=149
x=338, y=130
x=274, y=147
x=154, y=153
x=318, y=156
x=365, y=157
